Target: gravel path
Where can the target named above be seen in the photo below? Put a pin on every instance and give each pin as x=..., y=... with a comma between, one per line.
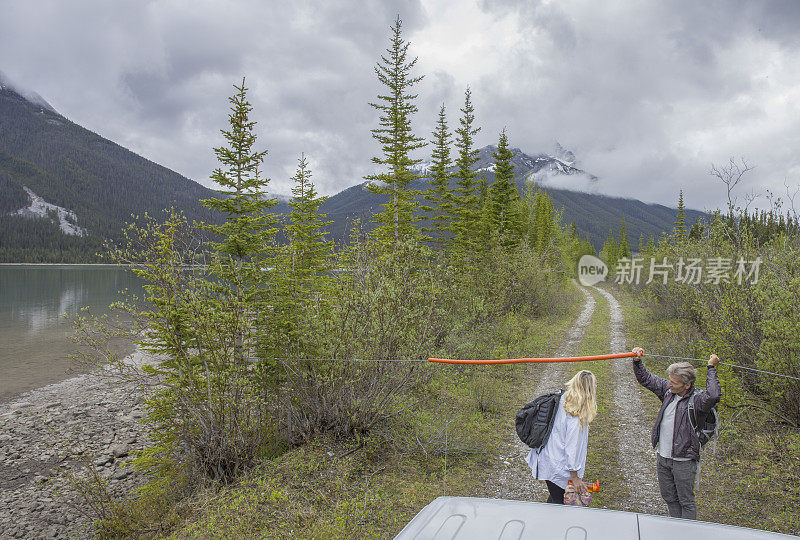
x=511, y=477
x=634, y=422
x=58, y=432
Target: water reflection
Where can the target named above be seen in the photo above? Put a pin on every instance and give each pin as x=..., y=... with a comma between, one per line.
x=46, y=315
x=34, y=348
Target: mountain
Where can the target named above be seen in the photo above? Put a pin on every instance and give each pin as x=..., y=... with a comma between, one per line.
x=558, y=169
x=546, y=169
x=63, y=188
x=593, y=214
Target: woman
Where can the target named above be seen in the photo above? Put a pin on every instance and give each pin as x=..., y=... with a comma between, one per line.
x=564, y=456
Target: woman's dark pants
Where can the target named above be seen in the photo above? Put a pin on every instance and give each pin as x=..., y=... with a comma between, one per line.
x=556, y=493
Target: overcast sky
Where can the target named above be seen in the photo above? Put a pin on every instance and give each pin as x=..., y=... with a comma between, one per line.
x=647, y=94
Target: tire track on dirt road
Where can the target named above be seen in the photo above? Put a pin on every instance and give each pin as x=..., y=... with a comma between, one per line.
x=511, y=477
x=633, y=424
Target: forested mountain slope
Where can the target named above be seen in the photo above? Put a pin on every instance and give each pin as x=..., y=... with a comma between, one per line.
x=76, y=169
x=594, y=214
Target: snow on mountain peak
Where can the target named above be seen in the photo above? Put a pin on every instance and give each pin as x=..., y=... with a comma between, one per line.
x=422, y=168
x=564, y=155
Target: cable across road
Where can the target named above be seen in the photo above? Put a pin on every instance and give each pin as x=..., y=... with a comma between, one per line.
x=540, y=361
x=726, y=364
x=473, y=362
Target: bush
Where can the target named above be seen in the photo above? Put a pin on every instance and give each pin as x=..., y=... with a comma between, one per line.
x=205, y=399
x=384, y=313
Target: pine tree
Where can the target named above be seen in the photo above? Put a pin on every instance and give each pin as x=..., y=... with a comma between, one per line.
x=397, y=140
x=623, y=248
x=249, y=227
x=611, y=250
x=650, y=247
x=438, y=196
x=680, y=222
x=466, y=209
x=504, y=196
x=208, y=407
x=309, y=254
x=544, y=224
x=573, y=230
x=589, y=246
x=483, y=191
x=306, y=230
x=248, y=234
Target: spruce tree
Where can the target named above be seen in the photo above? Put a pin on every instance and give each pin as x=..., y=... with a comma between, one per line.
x=247, y=236
x=249, y=228
x=543, y=231
x=650, y=247
x=309, y=254
x=504, y=196
x=624, y=249
x=438, y=196
x=466, y=205
x=306, y=230
x=207, y=406
x=483, y=191
x=397, y=140
x=611, y=250
x=680, y=222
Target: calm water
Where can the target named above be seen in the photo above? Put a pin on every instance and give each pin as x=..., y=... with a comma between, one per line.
x=34, y=349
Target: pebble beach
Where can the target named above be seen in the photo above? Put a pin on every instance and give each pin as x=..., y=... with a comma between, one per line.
x=51, y=436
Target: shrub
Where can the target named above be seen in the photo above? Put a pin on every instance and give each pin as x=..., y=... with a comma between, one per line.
x=385, y=311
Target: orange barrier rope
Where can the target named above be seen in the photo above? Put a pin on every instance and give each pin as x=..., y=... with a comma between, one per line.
x=536, y=360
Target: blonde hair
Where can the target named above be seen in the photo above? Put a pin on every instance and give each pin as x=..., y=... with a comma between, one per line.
x=581, y=397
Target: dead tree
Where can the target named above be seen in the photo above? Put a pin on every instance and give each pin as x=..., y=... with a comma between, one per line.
x=731, y=175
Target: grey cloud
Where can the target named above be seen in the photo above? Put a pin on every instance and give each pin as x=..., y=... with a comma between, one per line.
x=437, y=89
x=167, y=71
x=607, y=82
x=624, y=85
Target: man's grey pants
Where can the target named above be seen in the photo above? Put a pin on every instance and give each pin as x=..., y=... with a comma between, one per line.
x=676, y=481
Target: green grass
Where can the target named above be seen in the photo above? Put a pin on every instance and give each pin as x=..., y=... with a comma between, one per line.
x=309, y=493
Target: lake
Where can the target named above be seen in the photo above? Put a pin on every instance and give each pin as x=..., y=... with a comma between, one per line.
x=34, y=348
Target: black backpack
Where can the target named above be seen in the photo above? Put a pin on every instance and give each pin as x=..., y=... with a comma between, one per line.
x=534, y=421
x=706, y=427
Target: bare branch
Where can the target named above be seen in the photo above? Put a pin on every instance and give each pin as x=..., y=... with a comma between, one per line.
x=750, y=197
x=775, y=202
x=791, y=196
x=731, y=175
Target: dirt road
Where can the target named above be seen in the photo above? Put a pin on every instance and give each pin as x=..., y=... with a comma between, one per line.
x=511, y=478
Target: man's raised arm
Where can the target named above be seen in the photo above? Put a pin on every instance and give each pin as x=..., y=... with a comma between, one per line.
x=657, y=385
x=706, y=400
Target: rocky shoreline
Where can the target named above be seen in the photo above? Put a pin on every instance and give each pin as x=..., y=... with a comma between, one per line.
x=55, y=434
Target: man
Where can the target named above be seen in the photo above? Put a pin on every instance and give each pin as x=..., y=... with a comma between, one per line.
x=674, y=439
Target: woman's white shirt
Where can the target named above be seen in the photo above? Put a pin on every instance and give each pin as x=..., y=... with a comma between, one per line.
x=565, y=450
